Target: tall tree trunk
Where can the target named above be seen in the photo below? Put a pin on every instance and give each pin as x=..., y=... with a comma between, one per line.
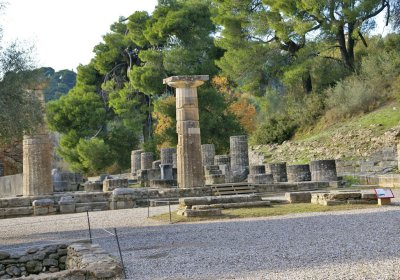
x=350, y=45
x=340, y=36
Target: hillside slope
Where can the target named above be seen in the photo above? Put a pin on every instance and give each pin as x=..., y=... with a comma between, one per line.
x=356, y=138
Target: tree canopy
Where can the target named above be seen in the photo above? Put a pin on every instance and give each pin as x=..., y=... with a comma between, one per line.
x=272, y=63
x=21, y=110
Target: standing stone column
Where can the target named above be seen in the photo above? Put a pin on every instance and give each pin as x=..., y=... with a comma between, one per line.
x=167, y=155
x=207, y=154
x=298, y=173
x=135, y=161
x=37, y=164
x=37, y=160
x=189, y=162
x=278, y=171
x=224, y=163
x=323, y=170
x=146, y=160
x=1, y=170
x=239, y=157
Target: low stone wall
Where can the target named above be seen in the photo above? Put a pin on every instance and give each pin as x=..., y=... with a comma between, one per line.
x=11, y=185
x=80, y=260
x=343, y=197
x=283, y=187
x=385, y=181
x=121, y=198
x=75, y=202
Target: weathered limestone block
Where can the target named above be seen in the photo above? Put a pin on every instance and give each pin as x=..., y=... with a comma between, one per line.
x=224, y=163
x=361, y=201
x=112, y=184
x=200, y=213
x=368, y=196
x=263, y=203
x=278, y=171
x=96, y=263
x=167, y=155
x=37, y=161
x=222, y=160
x=257, y=169
x=323, y=170
x=166, y=172
x=43, y=206
x=332, y=202
x=146, y=160
x=344, y=195
x=163, y=183
x=154, y=174
x=207, y=154
x=260, y=179
x=67, y=204
x=213, y=179
x=16, y=211
x=189, y=160
x=298, y=173
x=298, y=197
x=239, y=158
x=212, y=170
x=155, y=164
x=122, y=198
x=174, y=160
x=96, y=186
x=135, y=161
x=207, y=200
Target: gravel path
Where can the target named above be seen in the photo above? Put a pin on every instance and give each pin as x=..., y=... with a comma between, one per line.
x=358, y=244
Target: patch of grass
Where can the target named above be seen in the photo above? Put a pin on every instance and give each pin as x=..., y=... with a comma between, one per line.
x=351, y=180
x=275, y=210
x=379, y=120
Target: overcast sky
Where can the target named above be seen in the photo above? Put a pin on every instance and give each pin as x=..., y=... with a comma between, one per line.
x=64, y=32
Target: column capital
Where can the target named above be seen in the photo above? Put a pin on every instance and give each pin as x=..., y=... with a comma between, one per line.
x=186, y=81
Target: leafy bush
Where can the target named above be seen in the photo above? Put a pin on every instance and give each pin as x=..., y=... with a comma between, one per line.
x=274, y=130
x=367, y=90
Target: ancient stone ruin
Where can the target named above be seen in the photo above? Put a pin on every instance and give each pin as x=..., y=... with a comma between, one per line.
x=189, y=160
x=79, y=260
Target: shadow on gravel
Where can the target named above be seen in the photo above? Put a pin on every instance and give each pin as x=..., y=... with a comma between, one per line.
x=237, y=247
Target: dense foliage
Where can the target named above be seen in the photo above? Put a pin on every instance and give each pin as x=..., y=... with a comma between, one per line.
x=20, y=109
x=276, y=67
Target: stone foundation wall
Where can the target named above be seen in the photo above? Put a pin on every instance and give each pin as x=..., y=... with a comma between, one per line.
x=11, y=185
x=63, y=261
x=11, y=157
x=385, y=181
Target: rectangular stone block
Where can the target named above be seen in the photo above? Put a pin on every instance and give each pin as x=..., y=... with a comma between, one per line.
x=186, y=98
x=332, y=202
x=298, y=197
x=187, y=114
x=361, y=201
x=67, y=208
x=201, y=213
x=344, y=195
x=17, y=211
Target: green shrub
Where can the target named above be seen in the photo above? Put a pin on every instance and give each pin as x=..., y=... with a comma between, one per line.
x=367, y=90
x=274, y=130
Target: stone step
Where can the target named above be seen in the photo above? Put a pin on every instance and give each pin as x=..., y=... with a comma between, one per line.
x=262, y=203
x=91, y=206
